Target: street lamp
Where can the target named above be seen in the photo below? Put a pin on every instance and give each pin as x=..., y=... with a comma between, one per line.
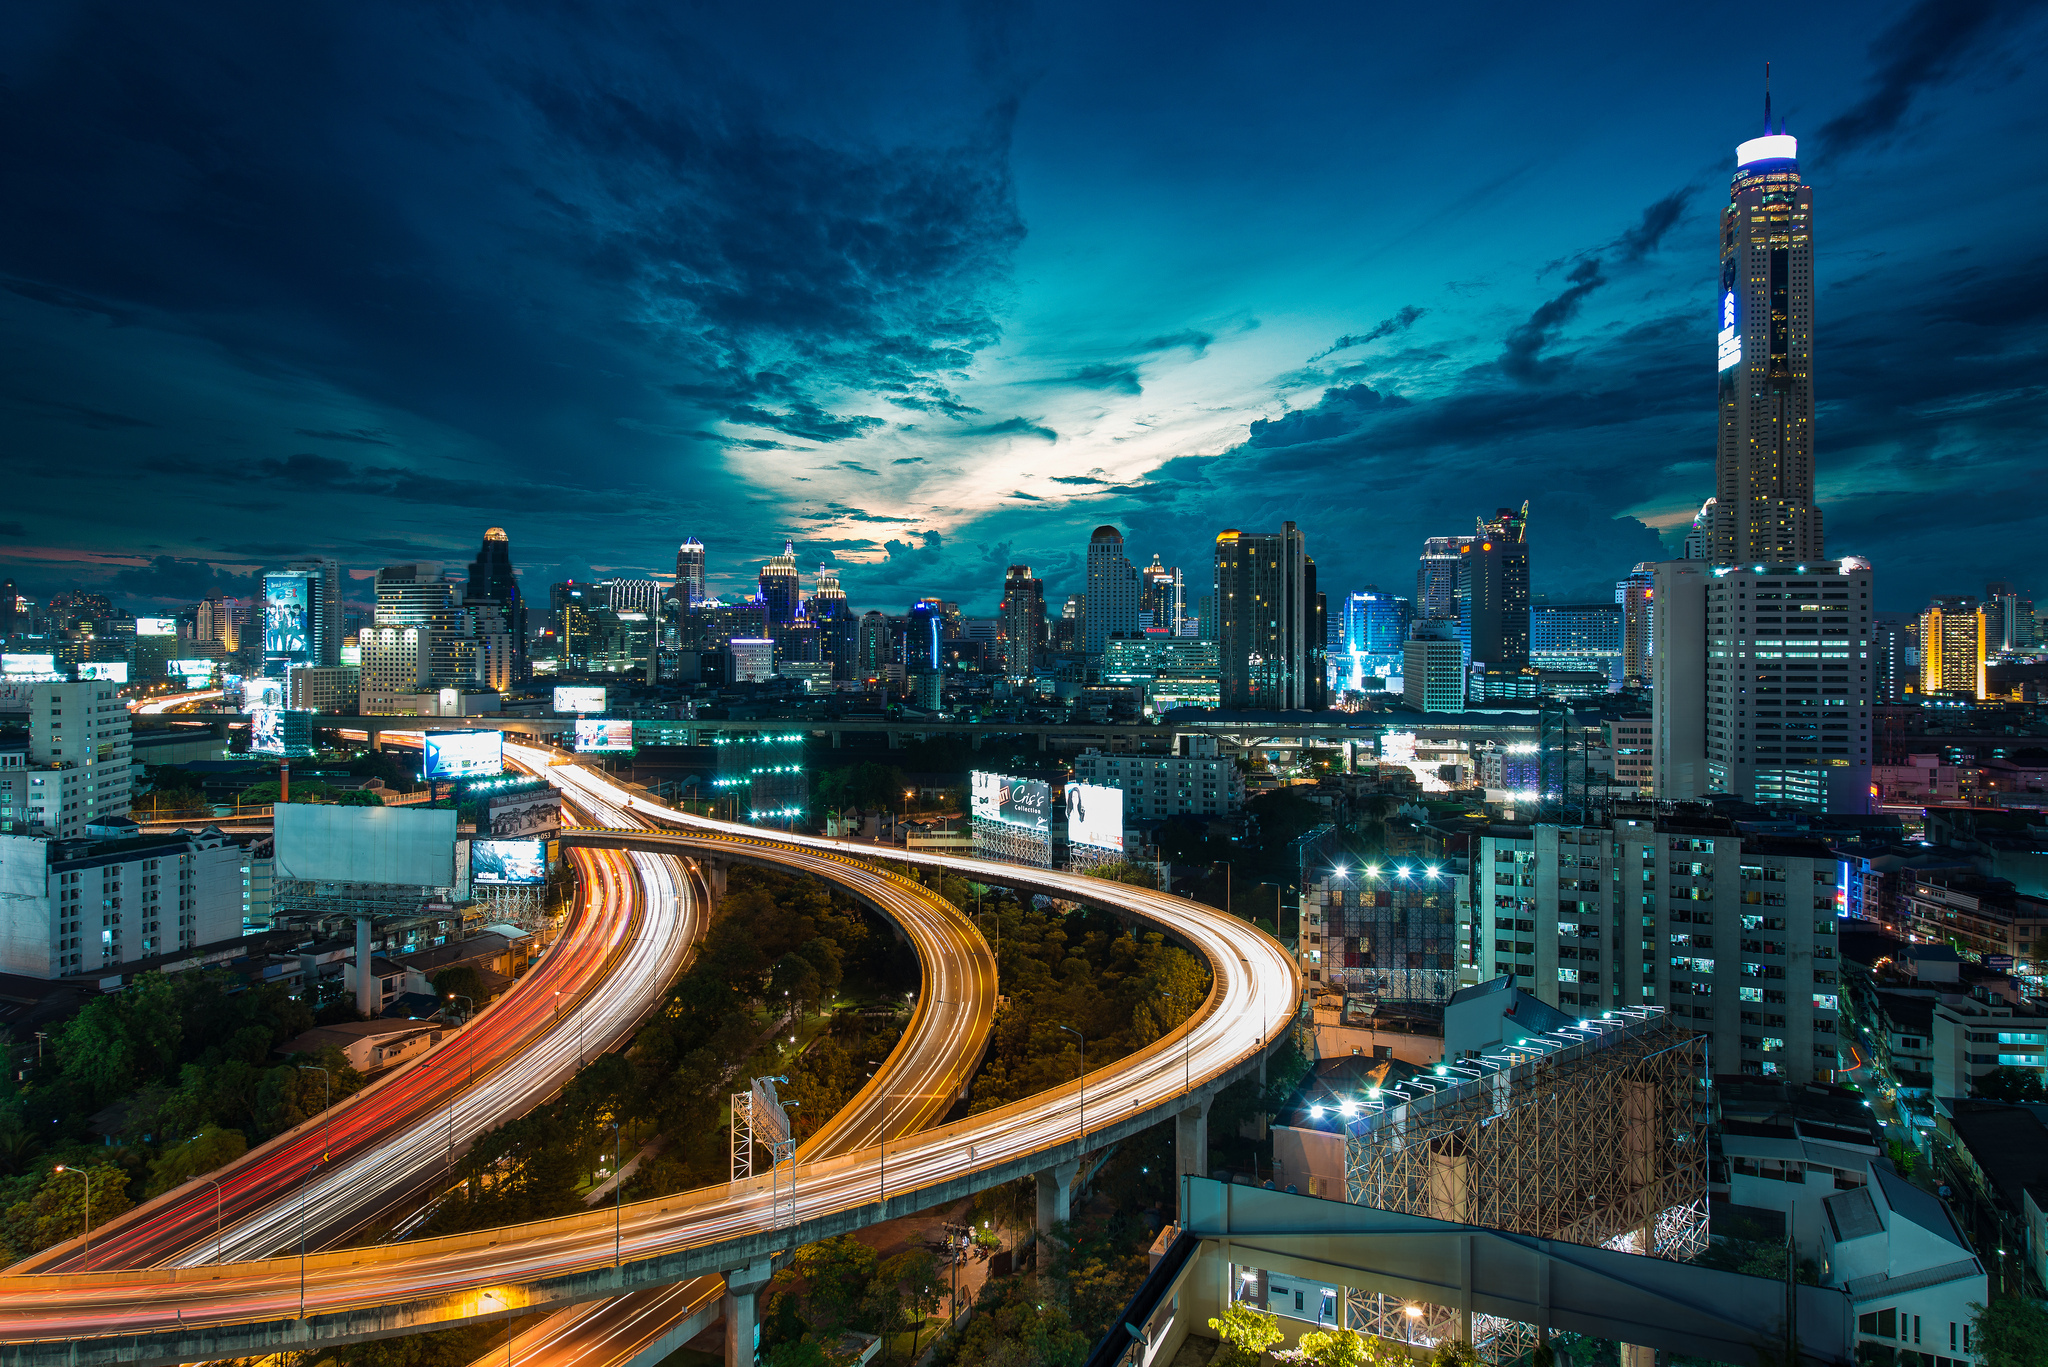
x=1083, y=1079
x=458, y=997
x=217, y=1258
x=304, y=1181
x=86, y=1173
x=326, y=1111
x=618, y=1200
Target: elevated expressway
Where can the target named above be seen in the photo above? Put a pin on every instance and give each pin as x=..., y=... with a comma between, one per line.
x=188, y=1313
x=389, y=1143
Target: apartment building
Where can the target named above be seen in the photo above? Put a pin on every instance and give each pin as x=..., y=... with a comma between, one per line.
x=85, y=907
x=1396, y=930
x=1734, y=932
x=78, y=757
x=1195, y=781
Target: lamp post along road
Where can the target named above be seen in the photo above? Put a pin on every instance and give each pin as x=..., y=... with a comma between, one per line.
x=1083, y=1079
x=86, y=1173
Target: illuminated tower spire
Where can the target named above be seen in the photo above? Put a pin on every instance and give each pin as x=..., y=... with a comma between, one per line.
x=1763, y=509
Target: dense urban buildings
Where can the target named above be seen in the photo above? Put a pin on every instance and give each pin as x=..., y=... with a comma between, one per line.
x=1111, y=603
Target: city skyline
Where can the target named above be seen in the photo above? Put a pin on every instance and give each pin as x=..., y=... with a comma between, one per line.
x=965, y=390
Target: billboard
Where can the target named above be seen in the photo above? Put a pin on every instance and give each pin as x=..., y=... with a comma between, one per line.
x=578, y=699
x=189, y=670
x=1095, y=816
x=28, y=664
x=463, y=754
x=1025, y=802
x=262, y=692
x=156, y=626
x=108, y=671
x=286, y=633
x=603, y=733
x=502, y=863
x=1729, y=341
x=524, y=814
x=266, y=730
x=410, y=846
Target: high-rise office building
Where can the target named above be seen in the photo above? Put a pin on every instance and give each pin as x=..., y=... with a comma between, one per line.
x=493, y=584
x=1763, y=496
x=1637, y=598
x=781, y=586
x=1493, y=592
x=7, y=600
x=1162, y=597
x=1272, y=629
x=326, y=608
x=633, y=595
x=1374, y=633
x=836, y=623
x=690, y=572
x=1020, y=621
x=1894, y=657
x=1433, y=668
x=873, y=649
x=1764, y=682
x=1577, y=638
x=2013, y=627
x=1952, y=648
x=923, y=629
x=1111, y=603
x=1436, y=579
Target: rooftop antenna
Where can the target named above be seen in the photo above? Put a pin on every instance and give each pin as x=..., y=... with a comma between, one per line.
x=1767, y=99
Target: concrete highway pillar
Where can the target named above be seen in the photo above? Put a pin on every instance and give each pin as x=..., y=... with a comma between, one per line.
x=741, y=1308
x=1191, y=1140
x=369, y=996
x=714, y=874
x=1636, y=1355
x=1055, y=1202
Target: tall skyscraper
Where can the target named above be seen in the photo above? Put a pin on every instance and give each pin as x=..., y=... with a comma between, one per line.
x=1375, y=633
x=1493, y=592
x=1763, y=495
x=1952, y=648
x=1272, y=629
x=7, y=596
x=292, y=614
x=690, y=572
x=1020, y=621
x=1637, y=595
x=781, y=586
x=835, y=622
x=325, y=607
x=1111, y=606
x=492, y=583
x=1162, y=597
x=1436, y=579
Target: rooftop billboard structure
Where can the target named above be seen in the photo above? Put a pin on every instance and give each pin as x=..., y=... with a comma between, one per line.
x=404, y=846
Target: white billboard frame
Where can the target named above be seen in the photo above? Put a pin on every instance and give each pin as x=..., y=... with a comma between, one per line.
x=1101, y=822
x=406, y=846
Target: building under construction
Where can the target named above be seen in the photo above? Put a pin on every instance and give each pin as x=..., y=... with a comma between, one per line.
x=1594, y=1133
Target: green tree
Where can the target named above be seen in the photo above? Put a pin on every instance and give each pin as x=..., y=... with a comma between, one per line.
x=1344, y=1348
x=2012, y=1084
x=203, y=1152
x=1456, y=1353
x=462, y=981
x=56, y=1209
x=2010, y=1332
x=359, y=797
x=1247, y=1332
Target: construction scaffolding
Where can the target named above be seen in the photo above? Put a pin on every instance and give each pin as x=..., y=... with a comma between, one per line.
x=1594, y=1134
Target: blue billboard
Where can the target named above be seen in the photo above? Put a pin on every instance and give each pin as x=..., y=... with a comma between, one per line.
x=464, y=754
x=287, y=618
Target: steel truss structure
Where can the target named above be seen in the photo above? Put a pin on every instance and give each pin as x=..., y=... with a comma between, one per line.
x=759, y=1117
x=1593, y=1133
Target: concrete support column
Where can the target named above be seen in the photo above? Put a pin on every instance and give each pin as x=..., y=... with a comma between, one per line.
x=1191, y=1140
x=714, y=874
x=1055, y=1202
x=369, y=996
x=1636, y=1355
x=741, y=1308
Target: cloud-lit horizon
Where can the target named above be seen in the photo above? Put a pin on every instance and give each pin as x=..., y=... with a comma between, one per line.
x=932, y=290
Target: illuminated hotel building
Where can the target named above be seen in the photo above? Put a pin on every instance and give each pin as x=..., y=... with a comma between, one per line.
x=1763, y=508
x=1952, y=649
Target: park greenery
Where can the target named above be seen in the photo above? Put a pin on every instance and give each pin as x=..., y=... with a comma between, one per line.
x=780, y=951
x=149, y=1088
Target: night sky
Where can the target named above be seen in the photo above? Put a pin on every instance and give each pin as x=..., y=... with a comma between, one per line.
x=932, y=289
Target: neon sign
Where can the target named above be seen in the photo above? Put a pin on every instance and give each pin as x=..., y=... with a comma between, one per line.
x=1731, y=341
